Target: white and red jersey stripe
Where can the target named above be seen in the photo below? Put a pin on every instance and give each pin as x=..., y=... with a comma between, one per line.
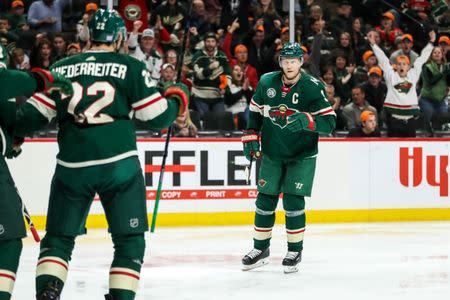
x=54, y=266
x=124, y=279
x=150, y=107
x=295, y=235
x=262, y=233
x=327, y=111
x=7, y=279
x=45, y=105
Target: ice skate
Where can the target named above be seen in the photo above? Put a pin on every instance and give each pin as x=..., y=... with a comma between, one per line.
x=109, y=297
x=52, y=291
x=255, y=258
x=290, y=262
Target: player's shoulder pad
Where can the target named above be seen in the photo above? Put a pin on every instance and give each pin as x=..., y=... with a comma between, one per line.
x=268, y=78
x=312, y=82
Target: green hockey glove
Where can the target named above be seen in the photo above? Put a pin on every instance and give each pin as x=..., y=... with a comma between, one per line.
x=300, y=121
x=48, y=81
x=250, y=141
x=180, y=93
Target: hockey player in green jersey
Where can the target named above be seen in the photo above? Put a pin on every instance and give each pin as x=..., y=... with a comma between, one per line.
x=12, y=227
x=97, y=154
x=288, y=111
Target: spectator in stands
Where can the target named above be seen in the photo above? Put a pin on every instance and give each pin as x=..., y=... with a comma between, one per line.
x=375, y=89
x=401, y=104
x=145, y=51
x=327, y=42
x=41, y=56
x=444, y=43
x=358, y=36
x=239, y=93
x=361, y=72
x=19, y=60
x=240, y=55
x=82, y=26
x=266, y=15
x=335, y=102
x=183, y=126
x=328, y=75
x=46, y=15
x=257, y=49
x=171, y=57
x=172, y=14
x=343, y=73
x=211, y=76
x=387, y=31
x=352, y=111
x=345, y=47
x=434, y=88
x=73, y=49
x=368, y=126
x=406, y=45
x=59, y=47
x=17, y=15
x=199, y=18
x=342, y=22
x=168, y=74
x=5, y=33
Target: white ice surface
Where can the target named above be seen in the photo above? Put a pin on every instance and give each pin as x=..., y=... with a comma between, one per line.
x=407, y=261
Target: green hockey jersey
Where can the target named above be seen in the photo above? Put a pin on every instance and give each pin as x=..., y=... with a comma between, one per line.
x=95, y=125
x=273, y=103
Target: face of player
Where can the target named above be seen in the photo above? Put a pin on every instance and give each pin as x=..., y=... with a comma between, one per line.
x=358, y=97
x=403, y=68
x=370, y=124
x=168, y=74
x=147, y=43
x=340, y=62
x=210, y=44
x=237, y=73
x=291, y=67
x=437, y=55
x=59, y=44
x=242, y=56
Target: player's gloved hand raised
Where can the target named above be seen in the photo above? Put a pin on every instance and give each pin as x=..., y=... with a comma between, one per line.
x=48, y=81
x=178, y=92
x=300, y=121
x=250, y=141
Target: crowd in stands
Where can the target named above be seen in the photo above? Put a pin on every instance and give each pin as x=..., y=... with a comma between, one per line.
x=352, y=46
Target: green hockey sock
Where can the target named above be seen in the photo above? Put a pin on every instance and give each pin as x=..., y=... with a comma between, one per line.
x=126, y=267
x=264, y=220
x=294, y=207
x=53, y=263
x=9, y=261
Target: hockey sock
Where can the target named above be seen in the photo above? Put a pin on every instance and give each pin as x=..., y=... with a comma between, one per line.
x=9, y=261
x=294, y=207
x=53, y=263
x=126, y=266
x=264, y=220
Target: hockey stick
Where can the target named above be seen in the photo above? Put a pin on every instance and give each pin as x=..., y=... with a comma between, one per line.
x=405, y=14
x=27, y=217
x=169, y=131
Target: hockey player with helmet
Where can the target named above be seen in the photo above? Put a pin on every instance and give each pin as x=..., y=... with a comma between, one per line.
x=288, y=111
x=97, y=154
x=12, y=228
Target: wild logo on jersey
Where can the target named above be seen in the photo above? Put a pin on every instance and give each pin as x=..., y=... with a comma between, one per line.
x=403, y=87
x=279, y=114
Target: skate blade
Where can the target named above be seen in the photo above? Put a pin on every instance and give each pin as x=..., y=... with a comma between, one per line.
x=260, y=263
x=290, y=269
